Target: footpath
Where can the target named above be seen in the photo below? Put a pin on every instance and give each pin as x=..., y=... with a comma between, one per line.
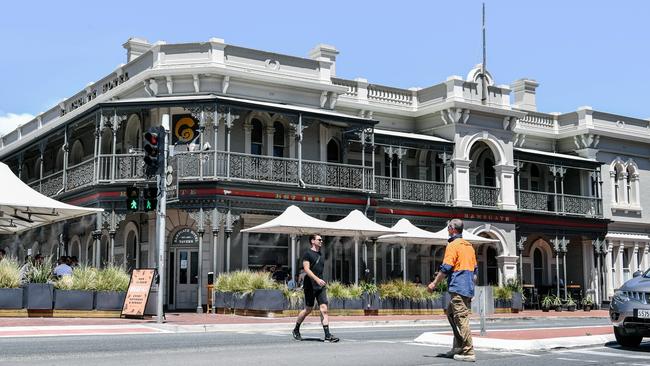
x=510, y=339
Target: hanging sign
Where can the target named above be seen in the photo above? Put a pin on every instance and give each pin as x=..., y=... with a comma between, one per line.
x=185, y=237
x=185, y=129
x=138, y=292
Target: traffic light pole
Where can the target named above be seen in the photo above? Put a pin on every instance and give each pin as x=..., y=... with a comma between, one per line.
x=160, y=223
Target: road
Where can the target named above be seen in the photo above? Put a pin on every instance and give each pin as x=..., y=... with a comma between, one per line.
x=381, y=345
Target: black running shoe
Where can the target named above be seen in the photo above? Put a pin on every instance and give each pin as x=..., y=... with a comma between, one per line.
x=331, y=338
x=296, y=335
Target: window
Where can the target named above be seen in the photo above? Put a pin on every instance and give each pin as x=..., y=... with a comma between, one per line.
x=278, y=139
x=625, y=184
x=333, y=153
x=488, y=173
x=256, y=137
x=538, y=265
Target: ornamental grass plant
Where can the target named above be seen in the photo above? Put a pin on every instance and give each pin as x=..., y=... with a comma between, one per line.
x=83, y=278
x=112, y=278
x=41, y=272
x=9, y=273
x=245, y=282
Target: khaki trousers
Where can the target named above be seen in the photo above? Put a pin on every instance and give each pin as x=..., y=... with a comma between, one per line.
x=458, y=313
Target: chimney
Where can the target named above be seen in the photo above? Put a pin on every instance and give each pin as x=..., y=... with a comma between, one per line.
x=135, y=47
x=524, y=92
x=325, y=52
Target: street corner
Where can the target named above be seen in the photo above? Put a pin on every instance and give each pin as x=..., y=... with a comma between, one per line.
x=527, y=339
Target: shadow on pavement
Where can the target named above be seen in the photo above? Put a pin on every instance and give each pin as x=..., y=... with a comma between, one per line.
x=643, y=347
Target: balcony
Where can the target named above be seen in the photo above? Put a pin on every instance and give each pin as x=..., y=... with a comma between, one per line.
x=273, y=170
x=564, y=204
x=484, y=196
x=409, y=190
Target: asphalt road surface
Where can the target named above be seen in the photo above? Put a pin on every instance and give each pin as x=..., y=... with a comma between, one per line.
x=375, y=346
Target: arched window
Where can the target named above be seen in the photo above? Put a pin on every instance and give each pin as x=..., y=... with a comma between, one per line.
x=58, y=164
x=76, y=153
x=256, y=137
x=488, y=173
x=538, y=267
x=333, y=152
x=618, y=189
x=492, y=266
x=132, y=134
x=278, y=139
x=132, y=251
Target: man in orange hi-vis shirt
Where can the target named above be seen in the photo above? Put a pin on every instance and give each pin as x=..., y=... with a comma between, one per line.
x=459, y=266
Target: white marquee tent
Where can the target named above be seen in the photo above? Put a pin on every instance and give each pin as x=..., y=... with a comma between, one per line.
x=412, y=234
x=22, y=208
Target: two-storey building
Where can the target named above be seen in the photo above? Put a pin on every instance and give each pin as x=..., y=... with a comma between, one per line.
x=255, y=131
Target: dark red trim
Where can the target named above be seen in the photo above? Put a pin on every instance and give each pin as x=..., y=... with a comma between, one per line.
x=272, y=195
x=94, y=197
x=391, y=211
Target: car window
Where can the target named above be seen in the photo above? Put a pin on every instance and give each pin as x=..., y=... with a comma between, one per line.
x=647, y=274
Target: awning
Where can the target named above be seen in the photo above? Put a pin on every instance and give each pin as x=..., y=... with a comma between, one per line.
x=309, y=112
x=22, y=208
x=551, y=158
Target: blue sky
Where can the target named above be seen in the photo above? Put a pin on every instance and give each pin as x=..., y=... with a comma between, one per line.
x=581, y=52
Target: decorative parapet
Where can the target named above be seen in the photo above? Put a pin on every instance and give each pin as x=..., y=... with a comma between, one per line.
x=538, y=120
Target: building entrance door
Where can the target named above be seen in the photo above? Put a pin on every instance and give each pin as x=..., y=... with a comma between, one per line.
x=186, y=271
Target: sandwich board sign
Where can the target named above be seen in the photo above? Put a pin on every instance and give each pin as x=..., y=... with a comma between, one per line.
x=138, y=292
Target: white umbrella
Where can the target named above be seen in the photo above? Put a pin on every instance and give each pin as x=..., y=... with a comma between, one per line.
x=411, y=235
x=22, y=208
x=357, y=225
x=293, y=221
x=443, y=235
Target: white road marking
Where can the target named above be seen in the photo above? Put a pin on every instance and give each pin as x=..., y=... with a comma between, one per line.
x=597, y=353
x=576, y=360
x=520, y=353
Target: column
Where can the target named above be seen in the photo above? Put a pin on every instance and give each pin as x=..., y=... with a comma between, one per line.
x=66, y=153
x=199, y=305
x=374, y=261
x=609, y=278
x=646, y=256
x=215, y=145
x=460, y=182
x=635, y=257
x=269, y=140
x=505, y=175
x=507, y=268
x=247, y=137
x=634, y=181
x=229, y=124
x=612, y=178
x=623, y=185
x=620, y=264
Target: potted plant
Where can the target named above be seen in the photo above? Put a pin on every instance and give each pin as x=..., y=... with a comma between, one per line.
x=11, y=294
x=112, y=284
x=76, y=291
x=570, y=304
x=557, y=303
x=371, y=300
x=587, y=303
x=38, y=291
x=547, y=303
x=337, y=294
x=517, y=297
x=354, y=300
x=266, y=293
x=502, y=297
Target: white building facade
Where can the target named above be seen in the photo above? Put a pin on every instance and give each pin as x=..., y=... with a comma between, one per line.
x=256, y=131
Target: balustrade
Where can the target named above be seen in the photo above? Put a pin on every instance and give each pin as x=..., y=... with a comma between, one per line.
x=80, y=175
x=483, y=196
x=565, y=204
x=413, y=190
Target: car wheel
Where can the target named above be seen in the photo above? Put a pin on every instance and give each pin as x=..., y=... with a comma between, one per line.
x=626, y=340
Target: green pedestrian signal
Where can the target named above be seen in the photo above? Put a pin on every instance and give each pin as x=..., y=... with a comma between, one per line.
x=150, y=199
x=132, y=199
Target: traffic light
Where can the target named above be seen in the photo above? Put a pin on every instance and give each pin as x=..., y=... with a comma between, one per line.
x=132, y=199
x=154, y=147
x=150, y=199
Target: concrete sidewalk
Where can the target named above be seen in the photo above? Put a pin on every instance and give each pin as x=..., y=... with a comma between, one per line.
x=192, y=322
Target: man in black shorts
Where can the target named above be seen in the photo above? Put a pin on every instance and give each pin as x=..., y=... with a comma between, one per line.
x=314, y=287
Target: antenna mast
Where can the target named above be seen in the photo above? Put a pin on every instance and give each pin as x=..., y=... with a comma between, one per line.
x=483, y=75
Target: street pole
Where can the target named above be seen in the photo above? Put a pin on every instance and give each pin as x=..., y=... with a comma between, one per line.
x=160, y=223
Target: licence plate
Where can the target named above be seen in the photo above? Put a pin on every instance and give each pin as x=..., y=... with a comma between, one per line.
x=643, y=314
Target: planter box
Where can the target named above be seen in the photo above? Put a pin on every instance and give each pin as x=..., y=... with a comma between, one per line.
x=38, y=296
x=438, y=303
x=11, y=298
x=298, y=306
x=446, y=299
x=268, y=300
x=419, y=304
x=371, y=301
x=517, y=301
x=223, y=299
x=73, y=300
x=502, y=304
x=109, y=300
x=241, y=301
x=353, y=304
x=334, y=303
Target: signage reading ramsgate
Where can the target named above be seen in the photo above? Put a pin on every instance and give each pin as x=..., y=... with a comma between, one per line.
x=185, y=237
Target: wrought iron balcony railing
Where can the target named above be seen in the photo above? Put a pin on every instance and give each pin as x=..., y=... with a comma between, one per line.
x=484, y=196
x=410, y=190
x=559, y=203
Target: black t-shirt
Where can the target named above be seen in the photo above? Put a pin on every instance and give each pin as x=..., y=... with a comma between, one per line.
x=316, y=264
